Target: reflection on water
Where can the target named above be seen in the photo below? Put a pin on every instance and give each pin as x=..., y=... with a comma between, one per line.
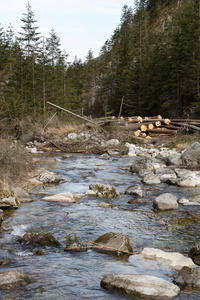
x=62, y=275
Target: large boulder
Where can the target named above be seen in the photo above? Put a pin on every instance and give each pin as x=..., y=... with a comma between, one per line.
x=62, y=198
x=188, y=277
x=174, y=260
x=165, y=201
x=194, y=253
x=191, y=156
x=104, y=190
x=51, y=178
x=113, y=242
x=145, y=286
x=39, y=239
x=13, y=279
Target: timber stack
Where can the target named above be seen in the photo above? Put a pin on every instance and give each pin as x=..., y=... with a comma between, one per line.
x=149, y=127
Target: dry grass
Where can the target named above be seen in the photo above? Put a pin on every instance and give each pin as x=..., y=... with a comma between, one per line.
x=15, y=164
x=64, y=129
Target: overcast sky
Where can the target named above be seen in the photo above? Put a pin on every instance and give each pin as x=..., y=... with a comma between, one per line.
x=80, y=24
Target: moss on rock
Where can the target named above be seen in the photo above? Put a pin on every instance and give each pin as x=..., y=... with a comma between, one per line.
x=39, y=239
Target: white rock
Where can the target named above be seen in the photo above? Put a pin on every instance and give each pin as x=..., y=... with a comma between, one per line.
x=145, y=286
x=72, y=136
x=183, y=201
x=174, y=260
x=62, y=197
x=112, y=142
x=90, y=193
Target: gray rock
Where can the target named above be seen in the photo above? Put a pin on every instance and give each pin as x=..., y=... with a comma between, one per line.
x=187, y=182
x=104, y=156
x=9, y=203
x=173, y=159
x=184, y=173
x=151, y=179
x=194, y=253
x=191, y=156
x=13, y=279
x=188, y=277
x=1, y=216
x=165, y=201
x=104, y=190
x=174, y=260
x=136, y=167
x=50, y=178
x=195, y=199
x=145, y=286
x=112, y=142
x=112, y=242
x=22, y=195
x=143, y=172
x=105, y=205
x=165, y=174
x=135, y=190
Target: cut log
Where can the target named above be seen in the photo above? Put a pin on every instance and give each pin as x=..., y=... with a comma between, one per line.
x=186, y=126
x=150, y=126
x=137, y=133
x=134, y=126
x=143, y=128
x=161, y=131
x=173, y=127
x=157, y=124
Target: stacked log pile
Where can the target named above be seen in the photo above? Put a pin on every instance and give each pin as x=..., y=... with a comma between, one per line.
x=149, y=127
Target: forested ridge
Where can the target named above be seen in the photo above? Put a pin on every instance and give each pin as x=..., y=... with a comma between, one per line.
x=152, y=62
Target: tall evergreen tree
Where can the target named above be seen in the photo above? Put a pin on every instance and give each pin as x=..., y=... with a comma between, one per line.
x=29, y=38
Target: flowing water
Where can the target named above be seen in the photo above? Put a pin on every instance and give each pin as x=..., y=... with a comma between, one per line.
x=64, y=275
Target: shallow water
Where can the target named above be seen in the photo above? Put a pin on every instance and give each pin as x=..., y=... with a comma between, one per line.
x=62, y=275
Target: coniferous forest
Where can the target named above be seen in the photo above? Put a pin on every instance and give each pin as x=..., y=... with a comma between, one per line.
x=152, y=61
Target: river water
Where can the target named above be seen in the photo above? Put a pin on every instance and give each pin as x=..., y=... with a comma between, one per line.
x=64, y=275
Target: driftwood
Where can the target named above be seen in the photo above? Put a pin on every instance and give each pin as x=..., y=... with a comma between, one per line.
x=100, y=246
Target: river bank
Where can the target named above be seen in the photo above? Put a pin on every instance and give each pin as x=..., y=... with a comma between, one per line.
x=78, y=275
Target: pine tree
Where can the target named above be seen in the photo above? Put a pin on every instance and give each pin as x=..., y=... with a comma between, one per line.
x=30, y=38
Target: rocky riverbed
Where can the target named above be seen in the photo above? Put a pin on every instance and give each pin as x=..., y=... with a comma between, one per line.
x=105, y=226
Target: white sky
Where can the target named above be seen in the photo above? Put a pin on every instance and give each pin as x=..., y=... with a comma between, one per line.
x=80, y=24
